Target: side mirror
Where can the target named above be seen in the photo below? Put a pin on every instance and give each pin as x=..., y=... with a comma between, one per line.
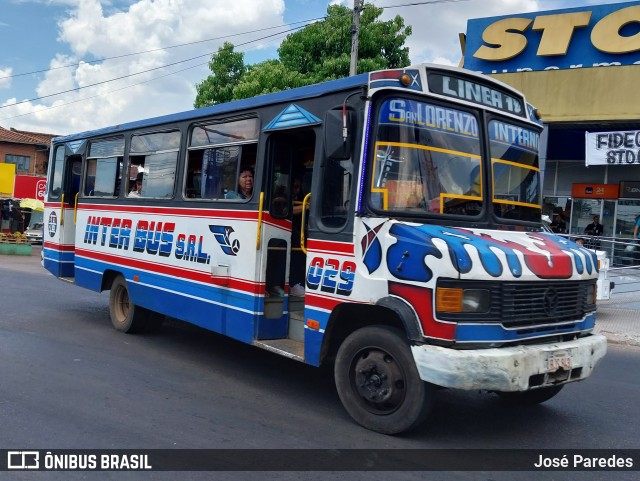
x=338, y=134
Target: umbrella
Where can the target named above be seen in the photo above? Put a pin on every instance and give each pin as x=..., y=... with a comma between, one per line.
x=33, y=204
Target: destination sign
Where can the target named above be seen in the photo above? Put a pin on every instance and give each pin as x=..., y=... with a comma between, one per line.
x=475, y=92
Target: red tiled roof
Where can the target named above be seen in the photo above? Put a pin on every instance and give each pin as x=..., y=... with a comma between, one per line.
x=24, y=137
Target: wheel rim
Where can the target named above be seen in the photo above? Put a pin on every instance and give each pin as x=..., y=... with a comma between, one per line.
x=379, y=381
x=122, y=304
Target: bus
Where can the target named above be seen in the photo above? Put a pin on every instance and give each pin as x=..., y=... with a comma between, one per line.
x=387, y=225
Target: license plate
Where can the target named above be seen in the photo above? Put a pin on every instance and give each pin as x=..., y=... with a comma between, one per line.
x=559, y=360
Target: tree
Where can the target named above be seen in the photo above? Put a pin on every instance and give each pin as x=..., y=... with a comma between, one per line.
x=266, y=77
x=227, y=68
x=321, y=51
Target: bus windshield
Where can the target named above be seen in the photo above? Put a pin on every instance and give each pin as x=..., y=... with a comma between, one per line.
x=428, y=161
x=515, y=171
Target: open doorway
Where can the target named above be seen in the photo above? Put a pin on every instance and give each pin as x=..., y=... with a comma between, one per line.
x=291, y=167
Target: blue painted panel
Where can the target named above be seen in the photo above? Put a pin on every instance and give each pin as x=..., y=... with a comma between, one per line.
x=495, y=332
x=312, y=345
x=221, y=310
x=60, y=264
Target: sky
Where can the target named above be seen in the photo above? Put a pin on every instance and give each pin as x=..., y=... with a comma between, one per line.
x=68, y=66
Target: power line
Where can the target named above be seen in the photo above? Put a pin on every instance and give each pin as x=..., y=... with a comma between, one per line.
x=91, y=62
x=142, y=52
x=305, y=22
x=104, y=94
x=141, y=72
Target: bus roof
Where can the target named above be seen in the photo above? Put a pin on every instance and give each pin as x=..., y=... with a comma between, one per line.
x=248, y=103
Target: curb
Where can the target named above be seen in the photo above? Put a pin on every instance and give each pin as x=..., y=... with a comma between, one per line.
x=619, y=326
x=615, y=338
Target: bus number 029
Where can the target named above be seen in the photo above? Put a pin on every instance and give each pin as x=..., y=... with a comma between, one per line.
x=330, y=276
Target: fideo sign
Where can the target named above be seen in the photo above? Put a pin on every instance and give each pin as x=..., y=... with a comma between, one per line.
x=613, y=148
x=589, y=36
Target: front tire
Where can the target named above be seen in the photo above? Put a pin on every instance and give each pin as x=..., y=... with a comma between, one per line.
x=531, y=398
x=378, y=382
x=125, y=315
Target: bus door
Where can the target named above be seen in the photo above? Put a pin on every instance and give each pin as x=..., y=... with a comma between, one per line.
x=60, y=229
x=290, y=155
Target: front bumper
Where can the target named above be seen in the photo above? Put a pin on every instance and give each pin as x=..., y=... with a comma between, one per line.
x=508, y=368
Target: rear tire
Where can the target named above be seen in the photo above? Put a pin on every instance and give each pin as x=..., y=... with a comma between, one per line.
x=378, y=382
x=125, y=315
x=530, y=398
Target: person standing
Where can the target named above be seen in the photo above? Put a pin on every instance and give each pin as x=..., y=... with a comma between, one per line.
x=595, y=228
x=632, y=250
x=557, y=224
x=636, y=229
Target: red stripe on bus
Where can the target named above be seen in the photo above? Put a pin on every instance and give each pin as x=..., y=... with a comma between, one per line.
x=59, y=247
x=328, y=246
x=210, y=214
x=174, y=271
x=176, y=211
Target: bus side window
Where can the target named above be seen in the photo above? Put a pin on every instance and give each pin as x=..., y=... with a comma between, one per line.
x=104, y=162
x=156, y=153
x=102, y=177
x=212, y=173
x=55, y=188
x=217, y=151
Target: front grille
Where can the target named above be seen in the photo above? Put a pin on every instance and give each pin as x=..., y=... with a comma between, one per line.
x=526, y=304
x=528, y=307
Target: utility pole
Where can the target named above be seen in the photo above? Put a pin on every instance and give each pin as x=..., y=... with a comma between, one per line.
x=355, y=30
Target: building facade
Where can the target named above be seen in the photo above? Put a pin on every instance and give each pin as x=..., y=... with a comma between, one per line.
x=28, y=151
x=24, y=158
x=580, y=68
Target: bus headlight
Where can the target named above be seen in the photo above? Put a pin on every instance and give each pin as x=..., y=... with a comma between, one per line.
x=452, y=299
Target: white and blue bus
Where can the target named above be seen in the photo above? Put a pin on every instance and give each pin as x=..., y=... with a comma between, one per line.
x=387, y=224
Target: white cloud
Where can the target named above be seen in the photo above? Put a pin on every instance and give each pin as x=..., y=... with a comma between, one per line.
x=5, y=77
x=93, y=32
x=95, y=29
x=435, y=27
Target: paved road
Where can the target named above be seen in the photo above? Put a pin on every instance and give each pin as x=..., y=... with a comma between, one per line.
x=70, y=381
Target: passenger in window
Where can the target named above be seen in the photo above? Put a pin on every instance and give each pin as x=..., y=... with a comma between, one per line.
x=245, y=186
x=137, y=187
